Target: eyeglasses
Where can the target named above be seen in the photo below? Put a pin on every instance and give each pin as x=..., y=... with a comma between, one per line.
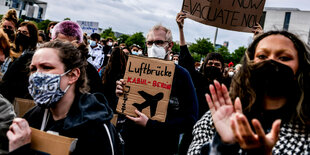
x=216, y=64
x=156, y=42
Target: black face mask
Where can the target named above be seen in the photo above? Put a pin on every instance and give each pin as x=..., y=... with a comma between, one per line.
x=22, y=40
x=10, y=34
x=273, y=79
x=212, y=73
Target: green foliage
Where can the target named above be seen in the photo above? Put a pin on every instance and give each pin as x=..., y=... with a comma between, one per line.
x=238, y=54
x=176, y=48
x=108, y=33
x=197, y=57
x=123, y=38
x=202, y=47
x=67, y=18
x=43, y=25
x=225, y=53
x=137, y=39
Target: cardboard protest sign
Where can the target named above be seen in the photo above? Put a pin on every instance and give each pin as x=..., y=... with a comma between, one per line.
x=21, y=106
x=148, y=87
x=238, y=15
x=47, y=143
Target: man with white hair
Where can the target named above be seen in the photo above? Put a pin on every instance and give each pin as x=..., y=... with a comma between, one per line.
x=145, y=136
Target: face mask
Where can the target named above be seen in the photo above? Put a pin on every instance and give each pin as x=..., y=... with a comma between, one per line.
x=134, y=53
x=231, y=74
x=273, y=79
x=140, y=53
x=22, y=40
x=156, y=52
x=110, y=43
x=176, y=62
x=45, y=88
x=10, y=34
x=51, y=30
x=212, y=73
x=92, y=43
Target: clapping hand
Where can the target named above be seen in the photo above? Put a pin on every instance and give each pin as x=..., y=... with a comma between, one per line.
x=247, y=139
x=222, y=111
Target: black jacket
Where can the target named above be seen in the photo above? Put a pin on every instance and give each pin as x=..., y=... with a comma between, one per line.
x=15, y=81
x=163, y=138
x=84, y=121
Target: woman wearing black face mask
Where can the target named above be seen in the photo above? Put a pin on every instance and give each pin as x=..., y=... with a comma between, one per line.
x=9, y=23
x=15, y=80
x=273, y=87
x=26, y=37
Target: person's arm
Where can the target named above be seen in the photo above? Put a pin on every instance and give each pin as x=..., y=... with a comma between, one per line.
x=185, y=59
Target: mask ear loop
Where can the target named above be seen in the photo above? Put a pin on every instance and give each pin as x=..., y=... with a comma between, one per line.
x=63, y=75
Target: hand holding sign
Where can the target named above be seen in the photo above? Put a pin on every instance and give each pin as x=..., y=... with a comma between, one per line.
x=180, y=19
x=19, y=134
x=140, y=120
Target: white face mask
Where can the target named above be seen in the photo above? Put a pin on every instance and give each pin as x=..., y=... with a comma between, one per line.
x=156, y=52
x=231, y=74
x=110, y=43
x=176, y=62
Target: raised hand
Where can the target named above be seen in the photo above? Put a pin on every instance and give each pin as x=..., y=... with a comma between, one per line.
x=180, y=19
x=257, y=30
x=247, y=139
x=222, y=111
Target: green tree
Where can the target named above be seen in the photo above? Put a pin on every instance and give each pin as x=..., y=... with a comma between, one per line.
x=238, y=54
x=123, y=38
x=43, y=25
x=202, y=47
x=176, y=48
x=108, y=33
x=67, y=18
x=225, y=53
x=137, y=39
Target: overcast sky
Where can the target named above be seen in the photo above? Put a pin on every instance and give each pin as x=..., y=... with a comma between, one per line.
x=130, y=16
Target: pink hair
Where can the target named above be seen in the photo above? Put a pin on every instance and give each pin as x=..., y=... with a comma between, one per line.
x=68, y=28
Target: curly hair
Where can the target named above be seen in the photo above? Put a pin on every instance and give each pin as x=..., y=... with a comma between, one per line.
x=11, y=16
x=241, y=86
x=72, y=57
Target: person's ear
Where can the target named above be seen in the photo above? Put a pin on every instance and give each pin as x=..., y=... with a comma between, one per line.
x=74, y=75
x=170, y=46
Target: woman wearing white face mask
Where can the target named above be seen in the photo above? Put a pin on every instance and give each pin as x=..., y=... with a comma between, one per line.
x=58, y=85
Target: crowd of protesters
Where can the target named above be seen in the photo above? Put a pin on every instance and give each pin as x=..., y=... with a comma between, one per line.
x=256, y=107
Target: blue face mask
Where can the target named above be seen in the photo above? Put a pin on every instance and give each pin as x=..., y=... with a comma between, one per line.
x=45, y=88
x=92, y=43
x=134, y=53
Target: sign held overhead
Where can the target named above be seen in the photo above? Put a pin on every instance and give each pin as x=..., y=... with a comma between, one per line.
x=237, y=15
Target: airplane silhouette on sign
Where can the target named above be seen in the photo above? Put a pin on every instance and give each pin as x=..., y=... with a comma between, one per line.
x=150, y=100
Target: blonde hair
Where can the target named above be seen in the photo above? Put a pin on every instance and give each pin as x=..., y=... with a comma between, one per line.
x=10, y=16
